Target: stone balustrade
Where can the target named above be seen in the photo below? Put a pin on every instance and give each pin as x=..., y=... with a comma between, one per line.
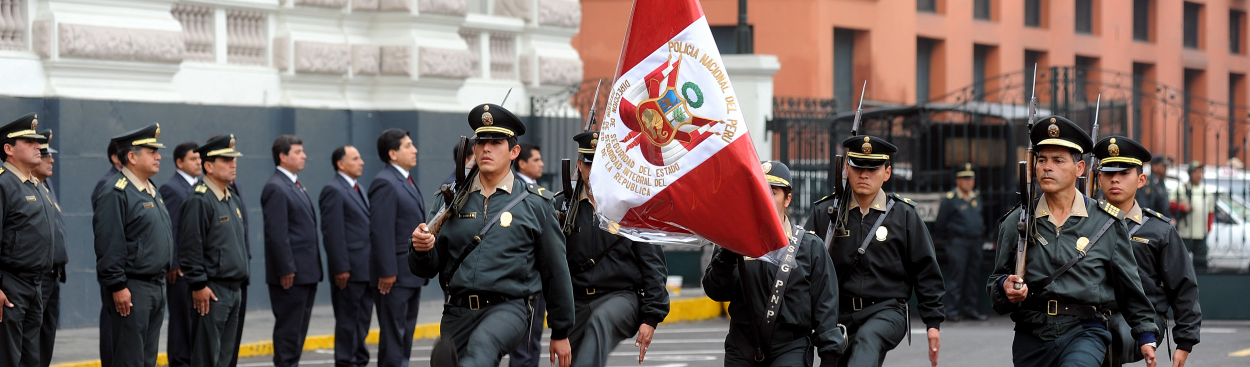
x=12, y=25
x=198, y=34
x=246, y=38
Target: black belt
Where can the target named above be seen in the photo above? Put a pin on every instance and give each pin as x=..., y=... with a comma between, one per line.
x=591, y=292
x=1054, y=308
x=33, y=276
x=477, y=301
x=233, y=285
x=156, y=279
x=858, y=304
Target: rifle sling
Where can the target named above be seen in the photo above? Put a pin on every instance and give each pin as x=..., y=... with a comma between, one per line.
x=863, y=247
x=590, y=263
x=1080, y=255
x=764, y=335
x=478, y=238
x=1133, y=230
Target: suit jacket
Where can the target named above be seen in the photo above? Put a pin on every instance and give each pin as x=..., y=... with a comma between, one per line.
x=290, y=232
x=345, y=229
x=174, y=192
x=397, y=208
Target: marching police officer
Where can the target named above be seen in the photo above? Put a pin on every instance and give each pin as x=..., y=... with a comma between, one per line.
x=1078, y=260
x=1166, y=271
x=133, y=245
x=51, y=286
x=766, y=330
x=519, y=252
x=618, y=284
x=26, y=233
x=213, y=255
x=882, y=254
x=960, y=219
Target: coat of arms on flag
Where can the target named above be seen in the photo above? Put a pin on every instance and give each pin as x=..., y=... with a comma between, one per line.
x=674, y=159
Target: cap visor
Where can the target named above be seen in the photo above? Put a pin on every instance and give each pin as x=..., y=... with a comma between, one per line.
x=490, y=136
x=866, y=163
x=1113, y=168
x=587, y=158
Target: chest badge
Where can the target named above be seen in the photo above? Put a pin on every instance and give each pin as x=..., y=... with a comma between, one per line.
x=974, y=203
x=505, y=219
x=1081, y=244
x=882, y=233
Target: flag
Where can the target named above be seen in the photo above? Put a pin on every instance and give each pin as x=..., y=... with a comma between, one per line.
x=674, y=157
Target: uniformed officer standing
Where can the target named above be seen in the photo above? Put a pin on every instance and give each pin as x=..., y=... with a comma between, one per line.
x=1155, y=195
x=51, y=286
x=960, y=219
x=1078, y=261
x=106, y=330
x=521, y=253
x=26, y=234
x=214, y=256
x=133, y=245
x=1166, y=272
x=885, y=253
x=779, y=331
x=618, y=284
x=177, y=296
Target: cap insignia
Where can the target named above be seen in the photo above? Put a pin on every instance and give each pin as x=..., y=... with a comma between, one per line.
x=767, y=166
x=34, y=123
x=231, y=141
x=594, y=135
x=487, y=119
x=1113, y=149
x=1052, y=130
x=866, y=148
x=158, y=131
x=594, y=143
x=968, y=166
x=485, y=107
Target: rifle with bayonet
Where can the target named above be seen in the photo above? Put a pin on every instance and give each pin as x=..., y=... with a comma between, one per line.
x=1093, y=162
x=838, y=211
x=572, y=194
x=1025, y=226
x=455, y=194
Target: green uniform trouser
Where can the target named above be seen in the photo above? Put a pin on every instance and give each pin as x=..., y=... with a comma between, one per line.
x=483, y=336
x=137, y=336
x=213, y=335
x=871, y=334
x=600, y=324
x=19, y=331
x=1084, y=346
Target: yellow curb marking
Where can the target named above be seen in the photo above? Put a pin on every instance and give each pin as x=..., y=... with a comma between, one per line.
x=1240, y=353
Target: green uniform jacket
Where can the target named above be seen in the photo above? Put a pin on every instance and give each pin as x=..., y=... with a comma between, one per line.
x=212, y=247
x=631, y=265
x=517, y=260
x=1107, y=273
x=808, y=309
x=960, y=218
x=26, y=231
x=1167, y=275
x=133, y=234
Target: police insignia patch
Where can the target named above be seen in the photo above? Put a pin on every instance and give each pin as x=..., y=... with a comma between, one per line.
x=1081, y=244
x=882, y=233
x=505, y=219
x=201, y=189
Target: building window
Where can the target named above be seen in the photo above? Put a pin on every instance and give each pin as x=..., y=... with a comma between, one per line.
x=1086, y=77
x=1192, y=18
x=1141, y=20
x=981, y=9
x=843, y=67
x=1033, y=13
x=1236, y=28
x=1140, y=74
x=924, y=68
x=980, y=56
x=1085, y=16
x=926, y=6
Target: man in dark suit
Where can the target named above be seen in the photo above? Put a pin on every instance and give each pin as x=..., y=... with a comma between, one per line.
x=292, y=260
x=397, y=208
x=106, y=330
x=345, y=228
x=175, y=191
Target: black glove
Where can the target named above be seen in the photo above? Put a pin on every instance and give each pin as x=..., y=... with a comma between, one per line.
x=727, y=256
x=829, y=360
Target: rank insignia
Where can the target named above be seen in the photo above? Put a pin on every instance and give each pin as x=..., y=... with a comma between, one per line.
x=121, y=183
x=1081, y=244
x=882, y=233
x=1139, y=239
x=505, y=219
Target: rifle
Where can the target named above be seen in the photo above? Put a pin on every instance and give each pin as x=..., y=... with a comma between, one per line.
x=572, y=197
x=838, y=211
x=1025, y=226
x=1093, y=160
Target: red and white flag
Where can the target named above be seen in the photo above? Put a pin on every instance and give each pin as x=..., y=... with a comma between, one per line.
x=674, y=159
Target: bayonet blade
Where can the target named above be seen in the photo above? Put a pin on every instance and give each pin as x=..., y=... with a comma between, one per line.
x=594, y=103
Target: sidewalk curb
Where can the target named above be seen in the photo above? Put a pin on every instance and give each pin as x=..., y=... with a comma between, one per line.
x=694, y=309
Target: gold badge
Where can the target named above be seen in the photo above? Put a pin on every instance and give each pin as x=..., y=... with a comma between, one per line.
x=967, y=166
x=231, y=141
x=1081, y=244
x=594, y=143
x=767, y=166
x=158, y=131
x=485, y=107
x=867, y=147
x=1113, y=149
x=1052, y=130
x=34, y=122
x=487, y=119
x=149, y=205
x=882, y=233
x=974, y=203
x=505, y=219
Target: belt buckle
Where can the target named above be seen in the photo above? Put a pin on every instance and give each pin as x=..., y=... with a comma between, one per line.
x=1052, y=307
x=590, y=291
x=475, y=302
x=857, y=303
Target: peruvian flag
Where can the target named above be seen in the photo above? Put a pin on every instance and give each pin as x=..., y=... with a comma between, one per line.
x=674, y=157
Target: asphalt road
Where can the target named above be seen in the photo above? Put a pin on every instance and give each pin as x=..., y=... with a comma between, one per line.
x=985, y=343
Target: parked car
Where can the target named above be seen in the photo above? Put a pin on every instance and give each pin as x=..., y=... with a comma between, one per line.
x=1227, y=247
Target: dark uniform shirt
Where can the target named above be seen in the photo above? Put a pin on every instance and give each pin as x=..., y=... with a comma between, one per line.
x=1107, y=273
x=212, y=247
x=899, y=256
x=638, y=266
x=27, y=227
x=522, y=254
x=1167, y=272
x=1154, y=195
x=958, y=217
x=133, y=235
x=809, y=307
x=60, y=257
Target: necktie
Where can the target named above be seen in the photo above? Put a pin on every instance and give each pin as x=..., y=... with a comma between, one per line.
x=357, y=187
x=410, y=182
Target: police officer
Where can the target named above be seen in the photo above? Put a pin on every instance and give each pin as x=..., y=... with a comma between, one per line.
x=618, y=284
x=106, y=329
x=213, y=255
x=26, y=234
x=51, y=286
x=133, y=245
x=779, y=331
x=1078, y=260
x=960, y=219
x=1155, y=195
x=497, y=250
x=882, y=254
x=1166, y=272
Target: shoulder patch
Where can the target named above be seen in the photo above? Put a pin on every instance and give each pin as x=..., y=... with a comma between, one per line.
x=1159, y=215
x=201, y=189
x=903, y=199
x=1, y=171
x=121, y=183
x=539, y=191
x=1111, y=209
x=950, y=194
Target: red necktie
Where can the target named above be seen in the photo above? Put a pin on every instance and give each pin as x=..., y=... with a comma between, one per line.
x=357, y=187
x=410, y=181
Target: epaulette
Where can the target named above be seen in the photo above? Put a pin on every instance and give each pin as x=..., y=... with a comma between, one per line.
x=121, y=183
x=537, y=190
x=1, y=171
x=1158, y=214
x=202, y=188
x=1111, y=209
x=1009, y=211
x=812, y=232
x=950, y=194
x=903, y=199
x=827, y=197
